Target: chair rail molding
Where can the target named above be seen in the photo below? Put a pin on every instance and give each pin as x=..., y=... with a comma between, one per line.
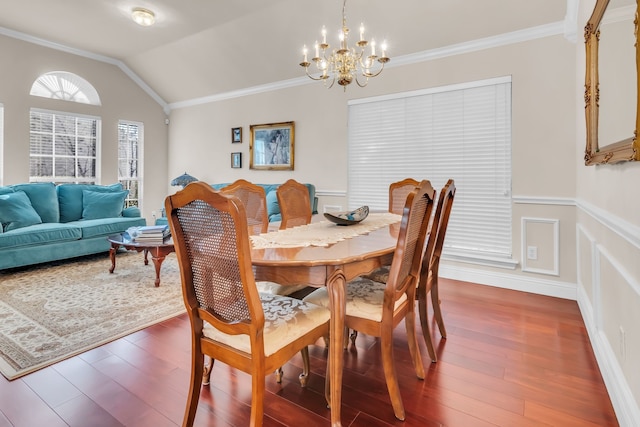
x=623, y=228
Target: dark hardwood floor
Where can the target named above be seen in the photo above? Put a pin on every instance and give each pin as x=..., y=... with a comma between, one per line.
x=510, y=359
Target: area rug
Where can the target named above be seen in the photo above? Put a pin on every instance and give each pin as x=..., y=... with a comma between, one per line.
x=54, y=311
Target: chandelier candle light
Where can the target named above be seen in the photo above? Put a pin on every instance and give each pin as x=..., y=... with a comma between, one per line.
x=345, y=64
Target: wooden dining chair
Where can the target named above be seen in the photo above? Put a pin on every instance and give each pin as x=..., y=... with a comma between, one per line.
x=254, y=199
x=398, y=192
x=255, y=203
x=376, y=308
x=428, y=282
x=230, y=321
x=295, y=205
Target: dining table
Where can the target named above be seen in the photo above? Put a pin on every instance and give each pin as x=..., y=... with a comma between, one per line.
x=326, y=254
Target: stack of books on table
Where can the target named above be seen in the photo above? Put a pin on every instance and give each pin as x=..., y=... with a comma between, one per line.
x=154, y=234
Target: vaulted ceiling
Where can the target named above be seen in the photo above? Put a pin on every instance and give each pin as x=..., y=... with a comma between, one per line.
x=200, y=48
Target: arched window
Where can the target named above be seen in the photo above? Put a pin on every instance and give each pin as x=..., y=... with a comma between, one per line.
x=66, y=86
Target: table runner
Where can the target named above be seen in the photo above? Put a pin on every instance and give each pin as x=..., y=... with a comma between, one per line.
x=322, y=233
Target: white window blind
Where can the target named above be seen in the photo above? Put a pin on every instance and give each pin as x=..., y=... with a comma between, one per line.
x=461, y=132
x=63, y=147
x=130, y=140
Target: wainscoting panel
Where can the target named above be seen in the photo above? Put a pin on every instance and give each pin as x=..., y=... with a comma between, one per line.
x=543, y=235
x=608, y=297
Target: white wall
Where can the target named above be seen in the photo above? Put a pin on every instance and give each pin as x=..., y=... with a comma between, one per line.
x=23, y=62
x=608, y=250
x=543, y=73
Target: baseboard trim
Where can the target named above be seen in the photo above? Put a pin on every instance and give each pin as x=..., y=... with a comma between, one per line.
x=552, y=288
x=624, y=404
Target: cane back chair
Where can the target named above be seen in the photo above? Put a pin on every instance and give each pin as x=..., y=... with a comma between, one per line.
x=429, y=272
x=230, y=321
x=398, y=192
x=294, y=202
x=377, y=308
x=254, y=199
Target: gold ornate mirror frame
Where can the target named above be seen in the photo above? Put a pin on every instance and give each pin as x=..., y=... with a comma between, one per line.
x=629, y=148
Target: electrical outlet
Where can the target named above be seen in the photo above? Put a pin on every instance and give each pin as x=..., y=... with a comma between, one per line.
x=532, y=252
x=623, y=345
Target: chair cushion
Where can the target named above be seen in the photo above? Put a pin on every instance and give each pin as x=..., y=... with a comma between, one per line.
x=364, y=299
x=379, y=275
x=286, y=320
x=273, y=288
x=97, y=205
x=16, y=211
x=44, y=199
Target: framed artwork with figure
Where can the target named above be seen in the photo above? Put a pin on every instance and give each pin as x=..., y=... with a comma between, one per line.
x=236, y=135
x=271, y=146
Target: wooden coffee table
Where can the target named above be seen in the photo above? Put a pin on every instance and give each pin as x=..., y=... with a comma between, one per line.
x=158, y=251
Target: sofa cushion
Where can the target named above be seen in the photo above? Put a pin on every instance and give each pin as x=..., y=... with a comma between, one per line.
x=106, y=226
x=97, y=205
x=39, y=234
x=44, y=199
x=16, y=211
x=6, y=190
x=70, y=198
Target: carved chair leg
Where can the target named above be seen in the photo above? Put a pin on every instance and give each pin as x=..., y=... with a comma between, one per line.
x=424, y=323
x=206, y=373
x=304, y=376
x=353, y=337
x=197, y=372
x=435, y=300
x=279, y=373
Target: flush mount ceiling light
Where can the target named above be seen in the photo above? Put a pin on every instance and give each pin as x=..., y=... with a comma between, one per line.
x=142, y=16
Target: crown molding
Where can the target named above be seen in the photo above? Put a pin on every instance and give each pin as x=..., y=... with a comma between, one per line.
x=519, y=36
x=566, y=27
x=90, y=55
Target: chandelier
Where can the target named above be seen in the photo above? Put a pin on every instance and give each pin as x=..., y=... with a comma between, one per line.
x=345, y=64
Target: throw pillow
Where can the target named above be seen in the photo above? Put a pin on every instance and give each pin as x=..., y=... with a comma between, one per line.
x=44, y=199
x=16, y=211
x=273, y=207
x=96, y=205
x=70, y=198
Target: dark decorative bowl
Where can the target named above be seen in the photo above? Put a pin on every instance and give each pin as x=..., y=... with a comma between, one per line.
x=348, y=217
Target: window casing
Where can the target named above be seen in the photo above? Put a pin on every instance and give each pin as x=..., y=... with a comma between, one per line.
x=461, y=132
x=130, y=143
x=64, y=147
x=1, y=143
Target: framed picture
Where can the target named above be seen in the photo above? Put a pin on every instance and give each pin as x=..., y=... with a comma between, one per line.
x=236, y=160
x=271, y=146
x=236, y=135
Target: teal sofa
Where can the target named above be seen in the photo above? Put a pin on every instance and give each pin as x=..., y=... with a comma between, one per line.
x=42, y=222
x=273, y=209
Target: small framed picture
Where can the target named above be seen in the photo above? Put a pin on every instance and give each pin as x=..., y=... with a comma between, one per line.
x=236, y=160
x=236, y=135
